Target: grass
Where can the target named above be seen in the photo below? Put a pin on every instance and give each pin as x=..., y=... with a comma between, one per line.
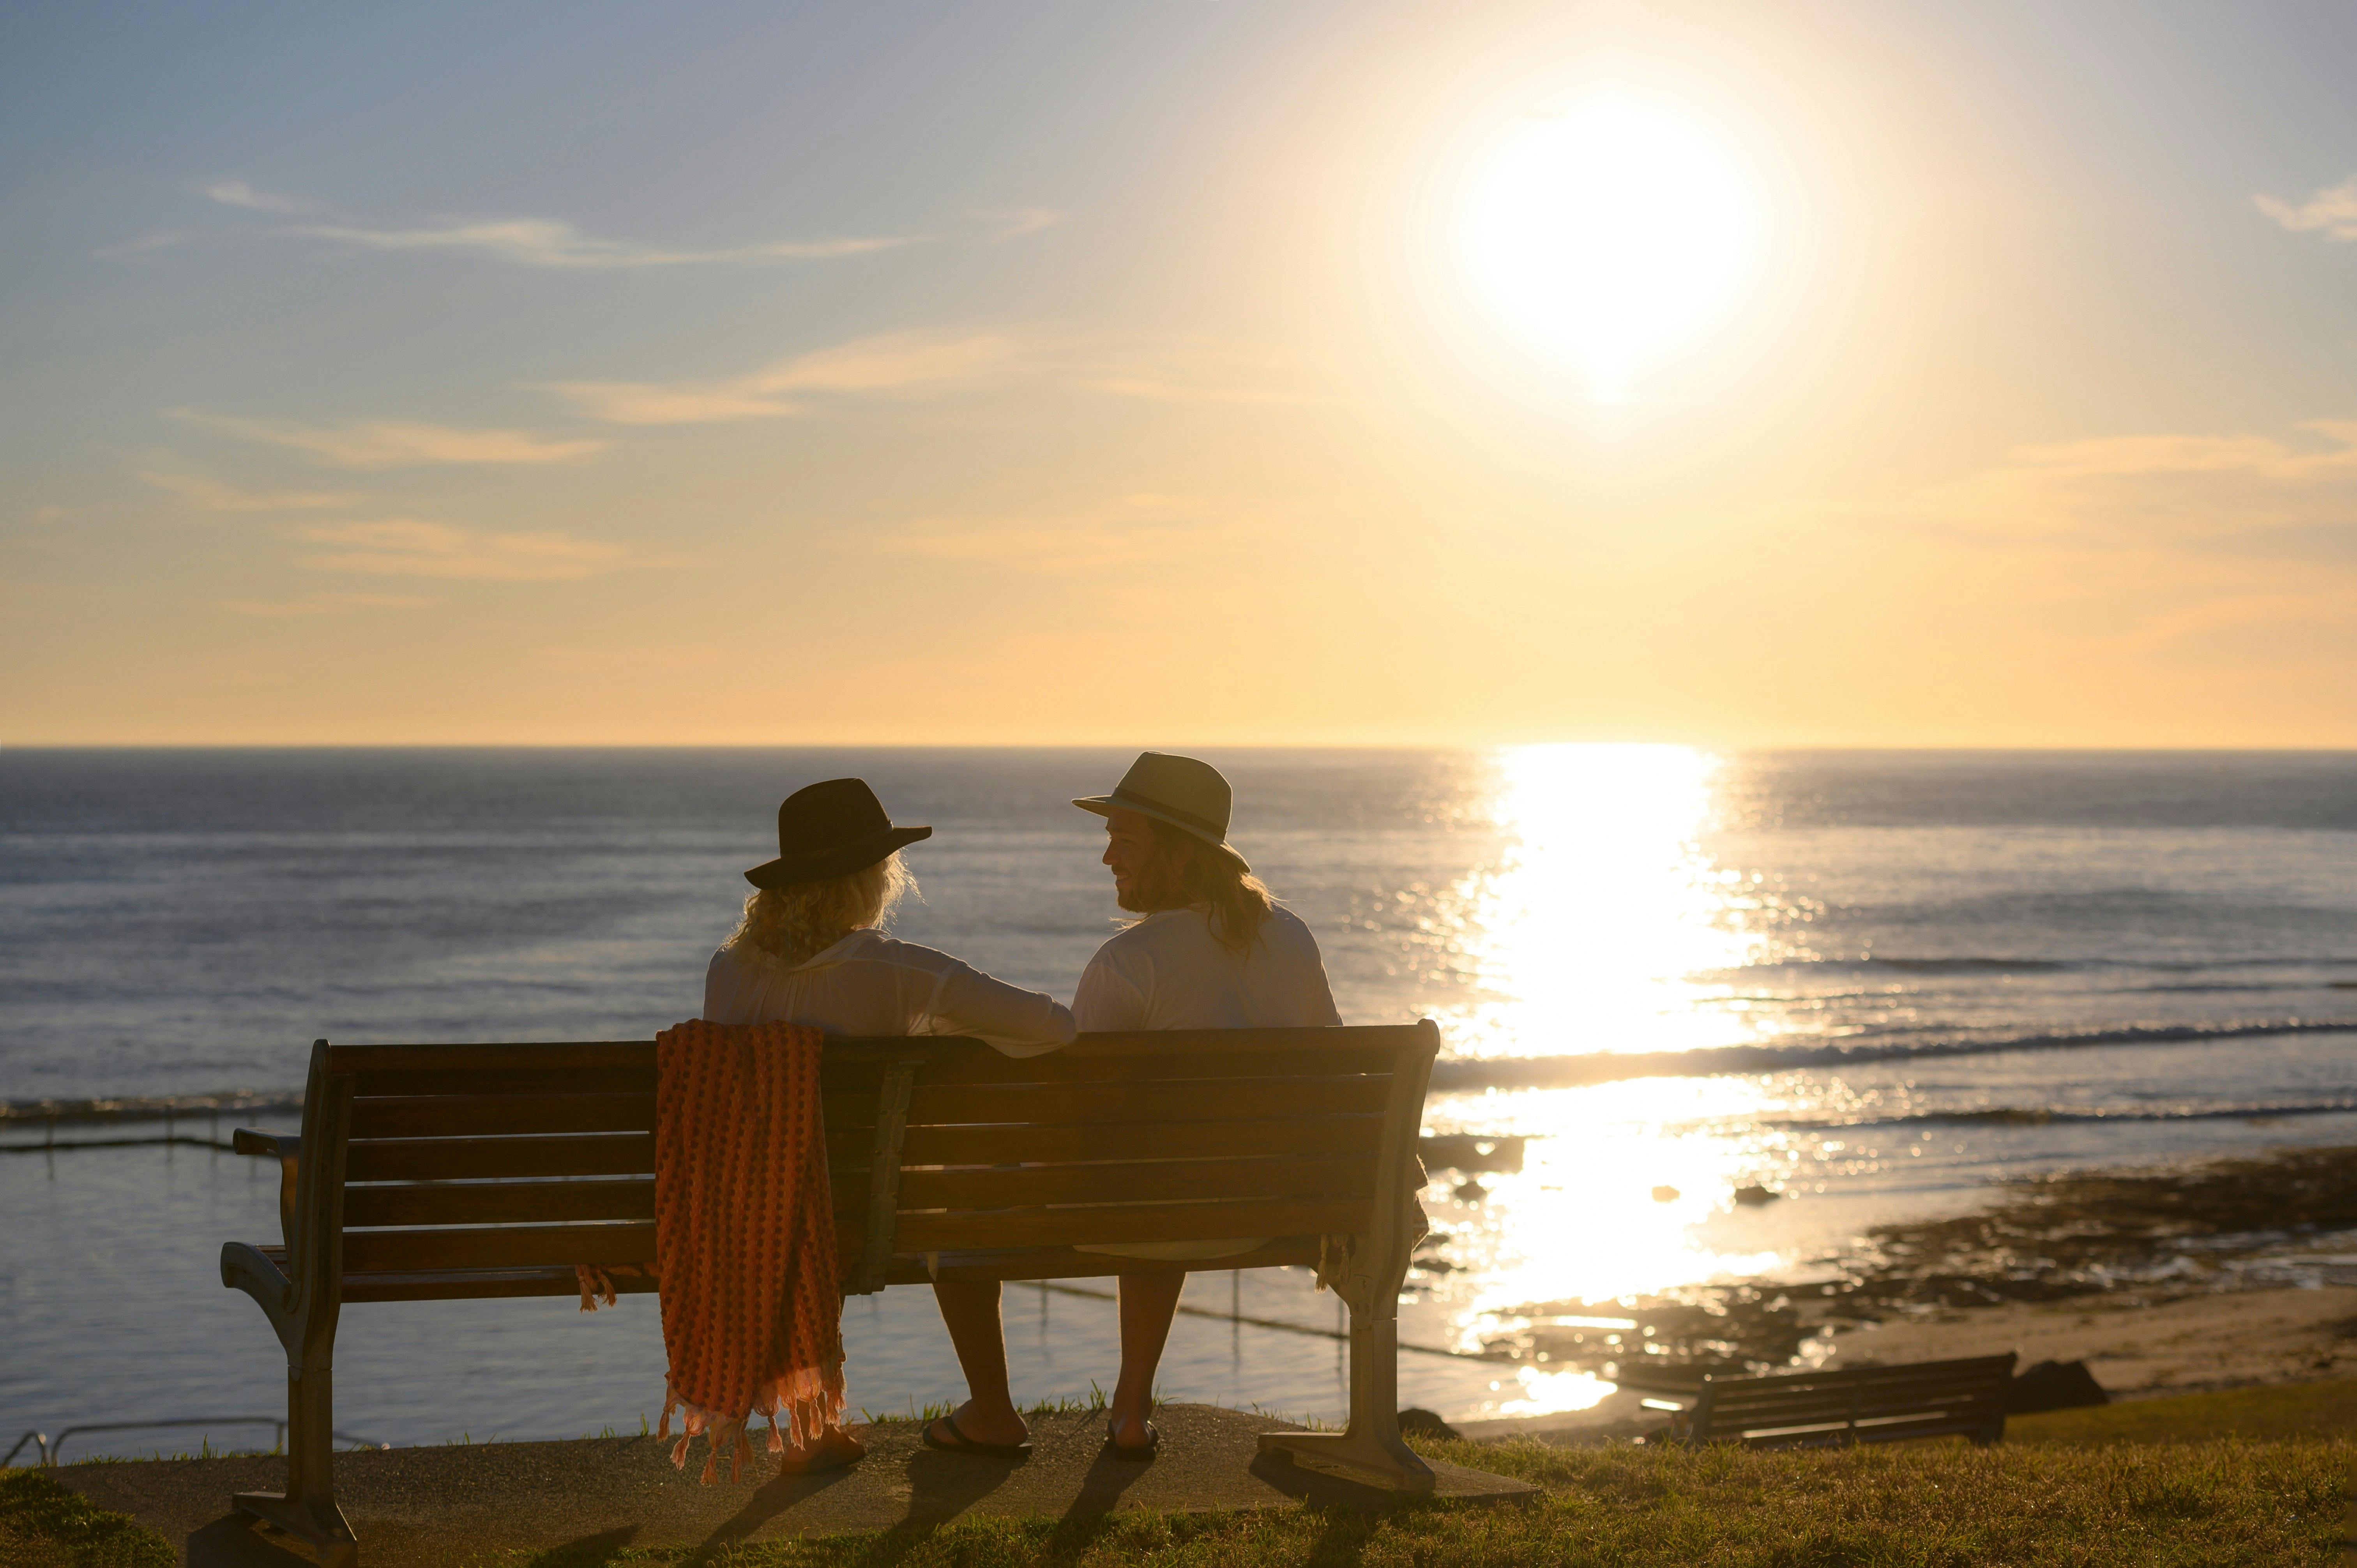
x=2219, y=1504
x=42, y=1522
x=2251, y=1476
x=2274, y=1411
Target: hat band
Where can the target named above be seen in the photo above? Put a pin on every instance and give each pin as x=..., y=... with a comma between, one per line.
x=1219, y=831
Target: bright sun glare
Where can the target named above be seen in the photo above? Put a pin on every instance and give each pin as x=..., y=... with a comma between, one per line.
x=1607, y=232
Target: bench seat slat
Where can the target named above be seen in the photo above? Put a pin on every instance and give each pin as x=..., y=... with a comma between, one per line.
x=1175, y=1179
x=1177, y=1141
x=403, y=1252
x=1115, y=1223
x=1063, y=1262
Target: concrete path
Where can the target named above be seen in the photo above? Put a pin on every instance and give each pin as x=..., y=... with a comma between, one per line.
x=433, y=1506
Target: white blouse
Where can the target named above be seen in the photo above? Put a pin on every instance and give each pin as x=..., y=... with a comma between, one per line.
x=868, y=983
x=1169, y=972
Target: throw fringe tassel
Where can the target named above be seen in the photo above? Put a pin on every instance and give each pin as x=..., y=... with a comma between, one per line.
x=810, y=1402
x=597, y=1288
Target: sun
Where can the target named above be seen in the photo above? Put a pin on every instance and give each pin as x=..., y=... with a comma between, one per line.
x=1607, y=233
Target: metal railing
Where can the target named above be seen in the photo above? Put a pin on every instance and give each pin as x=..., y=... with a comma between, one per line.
x=48, y=1447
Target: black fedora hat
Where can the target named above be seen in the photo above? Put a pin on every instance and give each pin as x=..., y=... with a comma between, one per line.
x=831, y=830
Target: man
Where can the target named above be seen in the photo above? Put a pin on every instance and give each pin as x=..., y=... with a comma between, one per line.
x=1210, y=951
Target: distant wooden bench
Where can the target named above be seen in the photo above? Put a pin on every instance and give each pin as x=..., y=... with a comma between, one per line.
x=1854, y=1404
x=434, y=1173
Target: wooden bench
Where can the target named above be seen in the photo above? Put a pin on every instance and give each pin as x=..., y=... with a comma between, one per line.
x=434, y=1173
x=1854, y=1404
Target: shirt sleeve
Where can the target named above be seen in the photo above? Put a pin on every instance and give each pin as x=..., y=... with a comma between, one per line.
x=1016, y=1022
x=1319, y=996
x=720, y=990
x=1106, y=999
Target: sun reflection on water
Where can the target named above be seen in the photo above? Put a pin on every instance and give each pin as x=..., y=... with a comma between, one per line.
x=1588, y=932
x=1602, y=925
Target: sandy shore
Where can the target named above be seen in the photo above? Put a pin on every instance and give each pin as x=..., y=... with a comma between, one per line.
x=2140, y=1344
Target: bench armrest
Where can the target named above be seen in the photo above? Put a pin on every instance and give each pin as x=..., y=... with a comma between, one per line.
x=273, y=1146
x=286, y=1148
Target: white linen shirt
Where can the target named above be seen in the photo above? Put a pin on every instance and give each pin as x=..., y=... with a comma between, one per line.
x=1167, y=972
x=868, y=983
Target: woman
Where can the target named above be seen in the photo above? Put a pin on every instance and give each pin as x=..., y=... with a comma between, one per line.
x=811, y=949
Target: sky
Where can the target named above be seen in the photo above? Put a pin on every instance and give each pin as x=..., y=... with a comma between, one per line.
x=1882, y=373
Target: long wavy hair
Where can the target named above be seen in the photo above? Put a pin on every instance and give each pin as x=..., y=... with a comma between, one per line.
x=1186, y=871
x=795, y=923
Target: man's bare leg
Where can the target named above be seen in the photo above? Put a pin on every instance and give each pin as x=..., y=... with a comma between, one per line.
x=970, y=1311
x=1149, y=1300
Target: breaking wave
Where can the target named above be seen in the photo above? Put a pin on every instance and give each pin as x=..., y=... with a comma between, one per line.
x=1569, y=1072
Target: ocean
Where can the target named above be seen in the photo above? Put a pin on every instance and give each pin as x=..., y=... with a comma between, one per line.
x=1872, y=983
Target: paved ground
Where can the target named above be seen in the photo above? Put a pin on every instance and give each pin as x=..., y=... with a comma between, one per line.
x=427, y=1506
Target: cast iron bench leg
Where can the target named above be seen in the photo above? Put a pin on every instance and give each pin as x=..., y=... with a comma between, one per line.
x=306, y=1508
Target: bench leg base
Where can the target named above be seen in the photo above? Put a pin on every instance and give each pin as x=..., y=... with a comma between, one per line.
x=322, y=1525
x=1369, y=1461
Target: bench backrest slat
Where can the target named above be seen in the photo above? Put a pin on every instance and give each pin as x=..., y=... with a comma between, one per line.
x=1119, y=1138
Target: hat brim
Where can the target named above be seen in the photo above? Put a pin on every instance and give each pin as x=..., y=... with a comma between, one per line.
x=1106, y=805
x=840, y=861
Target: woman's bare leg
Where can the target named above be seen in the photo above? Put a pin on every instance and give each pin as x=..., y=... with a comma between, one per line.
x=970, y=1311
x=835, y=1448
x=1149, y=1300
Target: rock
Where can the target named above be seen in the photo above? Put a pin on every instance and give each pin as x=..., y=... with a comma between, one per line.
x=1472, y=1192
x=2054, y=1385
x=1417, y=1421
x=1755, y=1195
x=1665, y=1195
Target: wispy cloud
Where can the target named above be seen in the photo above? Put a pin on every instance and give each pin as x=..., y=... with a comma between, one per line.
x=144, y=245
x=624, y=663
x=2331, y=211
x=2247, y=494
x=905, y=364
x=393, y=444
x=1013, y=223
x=530, y=241
x=1136, y=530
x=209, y=494
x=408, y=547
x=237, y=193
x=935, y=363
x=1190, y=370
x=323, y=604
x=544, y=242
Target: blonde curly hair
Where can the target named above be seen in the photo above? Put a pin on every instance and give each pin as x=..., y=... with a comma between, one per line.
x=797, y=922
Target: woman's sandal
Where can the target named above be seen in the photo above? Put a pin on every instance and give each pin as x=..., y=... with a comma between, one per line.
x=1137, y=1453
x=959, y=1442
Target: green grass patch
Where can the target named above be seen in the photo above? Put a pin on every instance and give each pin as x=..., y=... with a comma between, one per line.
x=2219, y=1504
x=2274, y=1410
x=44, y=1523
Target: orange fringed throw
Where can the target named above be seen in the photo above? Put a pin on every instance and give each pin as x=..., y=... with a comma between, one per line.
x=752, y=1311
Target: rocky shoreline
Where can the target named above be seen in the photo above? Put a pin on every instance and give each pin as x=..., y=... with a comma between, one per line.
x=2093, y=1240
